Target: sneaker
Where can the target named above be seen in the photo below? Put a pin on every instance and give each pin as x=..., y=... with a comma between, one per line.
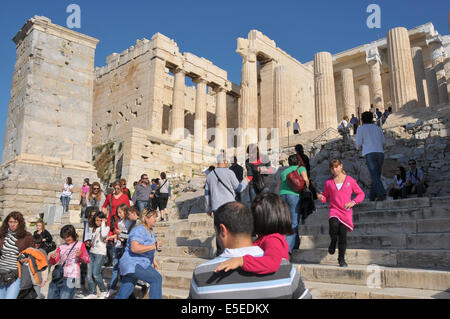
x=110, y=293
x=342, y=263
x=91, y=296
x=332, y=248
x=104, y=295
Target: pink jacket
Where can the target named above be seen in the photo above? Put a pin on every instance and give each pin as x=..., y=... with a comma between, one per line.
x=72, y=266
x=275, y=248
x=338, y=198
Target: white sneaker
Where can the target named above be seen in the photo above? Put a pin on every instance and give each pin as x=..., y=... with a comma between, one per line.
x=91, y=296
x=103, y=295
x=110, y=293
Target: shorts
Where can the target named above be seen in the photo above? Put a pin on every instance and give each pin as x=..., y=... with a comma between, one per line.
x=162, y=200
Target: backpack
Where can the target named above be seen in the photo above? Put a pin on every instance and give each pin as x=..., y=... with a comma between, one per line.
x=295, y=181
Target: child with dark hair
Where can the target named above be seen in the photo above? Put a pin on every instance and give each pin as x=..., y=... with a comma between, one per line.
x=69, y=254
x=338, y=191
x=97, y=255
x=272, y=221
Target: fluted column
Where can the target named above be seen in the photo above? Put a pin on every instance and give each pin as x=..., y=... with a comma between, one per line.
x=447, y=75
x=419, y=72
x=200, y=113
x=283, y=99
x=324, y=90
x=374, y=60
x=177, y=114
x=364, y=98
x=348, y=92
x=403, y=83
x=432, y=88
x=248, y=109
x=437, y=60
x=221, y=117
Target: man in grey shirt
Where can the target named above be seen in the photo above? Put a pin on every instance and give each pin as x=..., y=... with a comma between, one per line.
x=142, y=193
x=221, y=186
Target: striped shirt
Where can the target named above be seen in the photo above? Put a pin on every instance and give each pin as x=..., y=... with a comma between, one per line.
x=8, y=258
x=238, y=284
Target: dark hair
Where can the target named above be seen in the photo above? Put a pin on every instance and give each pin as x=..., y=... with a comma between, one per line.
x=236, y=217
x=92, y=220
x=135, y=183
x=251, y=151
x=402, y=173
x=142, y=176
x=367, y=117
x=68, y=231
x=123, y=181
x=293, y=160
x=271, y=215
x=21, y=231
x=37, y=239
x=69, y=180
x=211, y=168
x=299, y=149
x=163, y=175
x=135, y=210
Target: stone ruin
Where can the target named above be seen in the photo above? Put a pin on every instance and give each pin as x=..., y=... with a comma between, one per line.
x=138, y=113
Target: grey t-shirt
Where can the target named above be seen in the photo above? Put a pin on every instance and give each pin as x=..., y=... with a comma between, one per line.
x=217, y=194
x=142, y=193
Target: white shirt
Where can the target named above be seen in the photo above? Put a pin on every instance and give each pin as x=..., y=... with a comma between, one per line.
x=371, y=137
x=67, y=190
x=339, y=186
x=297, y=126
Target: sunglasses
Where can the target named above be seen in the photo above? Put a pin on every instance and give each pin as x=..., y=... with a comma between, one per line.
x=412, y=163
x=95, y=189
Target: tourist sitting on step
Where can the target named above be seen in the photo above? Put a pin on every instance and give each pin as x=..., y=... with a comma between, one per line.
x=338, y=192
x=415, y=180
x=271, y=276
x=138, y=261
x=399, y=188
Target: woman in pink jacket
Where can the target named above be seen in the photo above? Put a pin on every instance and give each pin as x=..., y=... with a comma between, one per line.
x=338, y=191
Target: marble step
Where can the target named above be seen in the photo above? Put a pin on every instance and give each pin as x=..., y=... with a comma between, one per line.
x=343, y=291
x=433, y=259
x=386, y=227
x=382, y=241
x=376, y=276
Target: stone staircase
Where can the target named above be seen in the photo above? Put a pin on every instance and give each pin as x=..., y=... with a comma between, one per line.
x=398, y=249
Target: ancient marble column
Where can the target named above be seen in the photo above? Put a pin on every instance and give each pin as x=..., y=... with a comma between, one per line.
x=374, y=60
x=437, y=60
x=432, y=88
x=248, y=109
x=348, y=92
x=364, y=98
x=324, y=90
x=447, y=75
x=200, y=113
x=403, y=83
x=221, y=117
x=177, y=120
x=283, y=99
x=419, y=72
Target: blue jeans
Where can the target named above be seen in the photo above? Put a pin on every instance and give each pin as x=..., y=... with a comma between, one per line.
x=65, y=203
x=93, y=273
x=294, y=206
x=149, y=275
x=11, y=291
x=65, y=289
x=115, y=272
x=141, y=204
x=374, y=163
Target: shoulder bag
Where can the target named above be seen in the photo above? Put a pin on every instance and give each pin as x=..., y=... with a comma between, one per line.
x=58, y=272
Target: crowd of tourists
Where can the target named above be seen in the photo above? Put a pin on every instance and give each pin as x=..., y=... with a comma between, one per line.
x=257, y=235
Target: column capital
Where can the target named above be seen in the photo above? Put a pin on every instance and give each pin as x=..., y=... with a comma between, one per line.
x=248, y=55
x=179, y=70
x=199, y=80
x=373, y=56
x=435, y=39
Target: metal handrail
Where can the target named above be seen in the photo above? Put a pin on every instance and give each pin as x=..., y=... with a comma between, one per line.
x=323, y=134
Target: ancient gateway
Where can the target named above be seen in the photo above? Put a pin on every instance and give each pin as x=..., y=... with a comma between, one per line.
x=139, y=113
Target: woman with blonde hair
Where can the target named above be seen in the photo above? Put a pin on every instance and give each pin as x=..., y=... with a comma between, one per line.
x=338, y=192
x=138, y=261
x=47, y=240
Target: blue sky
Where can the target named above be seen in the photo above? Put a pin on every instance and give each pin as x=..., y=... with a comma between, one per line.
x=210, y=28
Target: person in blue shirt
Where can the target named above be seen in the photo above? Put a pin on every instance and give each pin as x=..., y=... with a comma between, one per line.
x=138, y=261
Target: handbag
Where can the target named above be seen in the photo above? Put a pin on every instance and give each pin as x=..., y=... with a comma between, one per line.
x=8, y=277
x=295, y=181
x=49, y=246
x=58, y=271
